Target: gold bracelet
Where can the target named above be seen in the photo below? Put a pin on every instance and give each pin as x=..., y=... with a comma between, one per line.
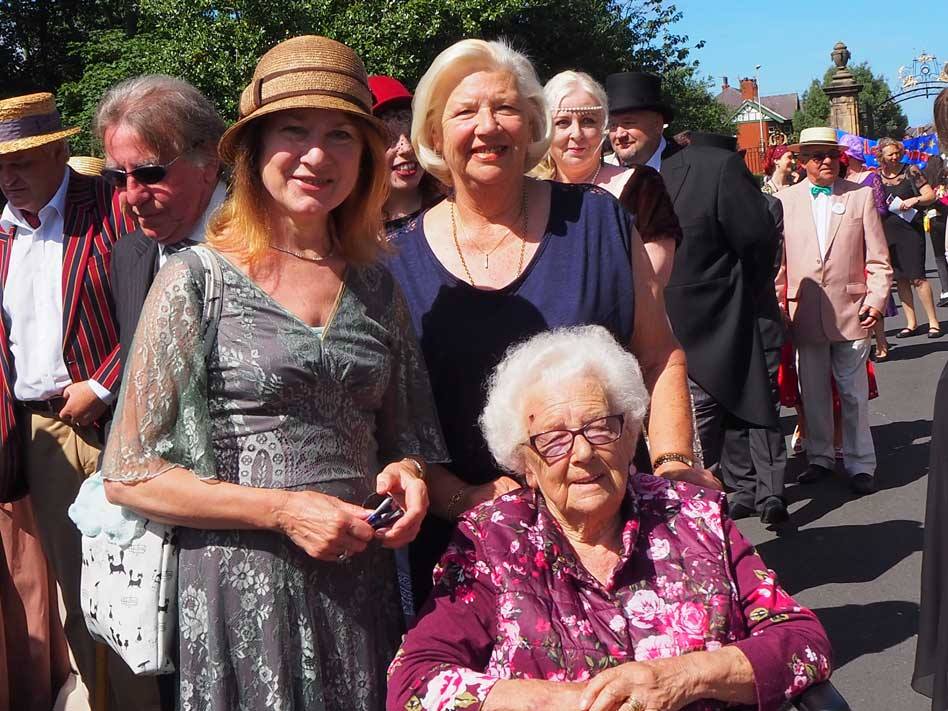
x=672, y=457
x=454, y=501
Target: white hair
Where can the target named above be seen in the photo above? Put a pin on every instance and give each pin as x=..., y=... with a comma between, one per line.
x=449, y=69
x=565, y=83
x=556, y=357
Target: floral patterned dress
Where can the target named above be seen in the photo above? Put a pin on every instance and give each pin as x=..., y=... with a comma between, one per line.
x=277, y=405
x=513, y=601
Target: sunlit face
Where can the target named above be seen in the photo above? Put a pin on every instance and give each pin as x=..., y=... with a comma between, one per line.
x=309, y=161
x=635, y=135
x=404, y=171
x=786, y=163
x=891, y=157
x=821, y=164
x=484, y=129
x=577, y=135
x=168, y=210
x=29, y=179
x=586, y=485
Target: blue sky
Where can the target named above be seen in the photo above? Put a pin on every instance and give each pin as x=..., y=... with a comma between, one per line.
x=792, y=40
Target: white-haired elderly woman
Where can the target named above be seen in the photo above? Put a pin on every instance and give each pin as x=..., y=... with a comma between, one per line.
x=592, y=588
x=580, y=109
x=507, y=256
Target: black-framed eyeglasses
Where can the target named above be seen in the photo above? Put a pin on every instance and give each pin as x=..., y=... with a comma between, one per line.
x=821, y=155
x=554, y=444
x=144, y=174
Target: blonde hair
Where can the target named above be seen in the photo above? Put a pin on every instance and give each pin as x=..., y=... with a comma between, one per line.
x=242, y=224
x=449, y=68
x=556, y=90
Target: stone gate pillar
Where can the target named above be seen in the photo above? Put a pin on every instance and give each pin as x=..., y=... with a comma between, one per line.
x=843, y=93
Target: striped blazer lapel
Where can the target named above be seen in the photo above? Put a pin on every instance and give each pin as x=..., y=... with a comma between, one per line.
x=78, y=235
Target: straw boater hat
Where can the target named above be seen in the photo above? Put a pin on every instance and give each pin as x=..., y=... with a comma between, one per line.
x=30, y=121
x=307, y=72
x=87, y=165
x=817, y=137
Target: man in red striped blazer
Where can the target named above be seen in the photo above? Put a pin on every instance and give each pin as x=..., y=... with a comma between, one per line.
x=59, y=350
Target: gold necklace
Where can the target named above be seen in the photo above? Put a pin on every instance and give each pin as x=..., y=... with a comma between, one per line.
x=306, y=257
x=523, y=238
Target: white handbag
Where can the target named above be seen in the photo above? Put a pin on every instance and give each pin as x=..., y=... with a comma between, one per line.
x=128, y=589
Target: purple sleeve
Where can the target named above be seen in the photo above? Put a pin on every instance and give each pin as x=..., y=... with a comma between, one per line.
x=443, y=658
x=786, y=645
x=878, y=193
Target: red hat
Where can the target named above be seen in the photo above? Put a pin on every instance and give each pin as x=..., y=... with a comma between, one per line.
x=387, y=92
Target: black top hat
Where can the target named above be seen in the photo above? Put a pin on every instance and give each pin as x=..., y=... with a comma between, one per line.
x=637, y=91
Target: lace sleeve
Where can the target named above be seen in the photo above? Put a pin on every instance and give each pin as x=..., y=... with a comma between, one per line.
x=162, y=421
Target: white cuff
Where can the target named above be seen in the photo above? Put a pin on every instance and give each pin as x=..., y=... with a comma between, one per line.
x=101, y=392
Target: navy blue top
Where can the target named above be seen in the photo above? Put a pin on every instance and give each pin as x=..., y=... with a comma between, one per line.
x=581, y=274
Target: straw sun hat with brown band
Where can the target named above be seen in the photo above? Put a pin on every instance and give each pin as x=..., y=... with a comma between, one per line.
x=30, y=121
x=307, y=72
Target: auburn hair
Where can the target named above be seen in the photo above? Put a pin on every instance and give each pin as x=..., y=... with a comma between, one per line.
x=242, y=224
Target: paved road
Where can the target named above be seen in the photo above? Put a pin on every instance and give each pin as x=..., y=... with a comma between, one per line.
x=857, y=562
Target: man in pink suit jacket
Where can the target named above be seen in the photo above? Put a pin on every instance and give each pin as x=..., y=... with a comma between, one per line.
x=833, y=282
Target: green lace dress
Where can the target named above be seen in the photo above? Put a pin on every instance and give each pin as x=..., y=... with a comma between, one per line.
x=279, y=405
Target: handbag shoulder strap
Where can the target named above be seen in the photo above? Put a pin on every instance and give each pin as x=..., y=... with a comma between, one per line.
x=213, y=297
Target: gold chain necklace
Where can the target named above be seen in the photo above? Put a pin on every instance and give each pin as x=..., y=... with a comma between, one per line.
x=523, y=239
x=319, y=257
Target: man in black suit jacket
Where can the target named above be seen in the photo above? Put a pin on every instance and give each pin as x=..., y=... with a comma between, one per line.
x=729, y=243
x=160, y=137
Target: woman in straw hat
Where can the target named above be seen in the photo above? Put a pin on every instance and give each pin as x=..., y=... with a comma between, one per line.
x=264, y=452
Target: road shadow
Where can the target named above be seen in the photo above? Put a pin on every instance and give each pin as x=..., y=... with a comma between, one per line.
x=812, y=557
x=911, y=351
x=857, y=630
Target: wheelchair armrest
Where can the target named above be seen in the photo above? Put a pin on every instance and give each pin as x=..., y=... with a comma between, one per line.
x=821, y=697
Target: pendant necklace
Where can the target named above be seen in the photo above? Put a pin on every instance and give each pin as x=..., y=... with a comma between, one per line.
x=523, y=239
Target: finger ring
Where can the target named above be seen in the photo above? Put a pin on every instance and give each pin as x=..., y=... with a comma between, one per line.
x=632, y=704
x=342, y=557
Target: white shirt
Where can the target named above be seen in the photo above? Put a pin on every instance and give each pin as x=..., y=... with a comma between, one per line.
x=197, y=235
x=820, y=206
x=656, y=160
x=33, y=302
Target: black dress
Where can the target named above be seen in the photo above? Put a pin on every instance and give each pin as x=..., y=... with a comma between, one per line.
x=931, y=654
x=906, y=239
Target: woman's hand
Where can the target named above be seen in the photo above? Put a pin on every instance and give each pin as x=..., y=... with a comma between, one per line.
x=907, y=205
x=693, y=475
x=325, y=527
x=475, y=495
x=402, y=481
x=662, y=685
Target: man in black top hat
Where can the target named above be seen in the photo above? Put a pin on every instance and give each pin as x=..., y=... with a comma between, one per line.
x=725, y=258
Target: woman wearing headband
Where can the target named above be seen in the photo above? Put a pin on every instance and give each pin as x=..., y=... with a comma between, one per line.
x=579, y=107
x=313, y=398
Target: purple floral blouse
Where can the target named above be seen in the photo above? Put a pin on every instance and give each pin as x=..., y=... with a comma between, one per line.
x=512, y=600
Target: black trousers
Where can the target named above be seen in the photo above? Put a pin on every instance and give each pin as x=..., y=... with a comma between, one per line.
x=937, y=233
x=754, y=459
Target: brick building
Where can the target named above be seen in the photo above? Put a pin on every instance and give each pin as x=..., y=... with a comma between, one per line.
x=772, y=123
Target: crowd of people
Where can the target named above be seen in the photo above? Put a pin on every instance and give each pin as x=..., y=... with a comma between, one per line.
x=549, y=363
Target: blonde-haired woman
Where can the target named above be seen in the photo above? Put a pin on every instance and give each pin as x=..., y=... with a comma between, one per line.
x=313, y=398
x=507, y=256
x=580, y=110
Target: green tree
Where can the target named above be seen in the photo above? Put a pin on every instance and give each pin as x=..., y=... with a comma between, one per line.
x=215, y=45
x=878, y=120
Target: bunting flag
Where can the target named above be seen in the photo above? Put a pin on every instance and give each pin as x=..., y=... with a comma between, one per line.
x=917, y=150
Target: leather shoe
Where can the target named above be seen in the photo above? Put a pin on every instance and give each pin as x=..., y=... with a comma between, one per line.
x=739, y=511
x=862, y=484
x=774, y=511
x=813, y=473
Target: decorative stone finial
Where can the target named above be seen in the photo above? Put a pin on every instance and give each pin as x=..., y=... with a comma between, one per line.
x=840, y=55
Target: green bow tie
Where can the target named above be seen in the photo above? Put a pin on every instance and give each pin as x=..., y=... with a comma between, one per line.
x=817, y=189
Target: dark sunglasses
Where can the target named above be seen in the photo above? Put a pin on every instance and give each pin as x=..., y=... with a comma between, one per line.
x=821, y=156
x=144, y=174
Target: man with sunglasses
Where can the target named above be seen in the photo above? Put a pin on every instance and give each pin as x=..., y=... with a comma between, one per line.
x=59, y=357
x=833, y=282
x=160, y=137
